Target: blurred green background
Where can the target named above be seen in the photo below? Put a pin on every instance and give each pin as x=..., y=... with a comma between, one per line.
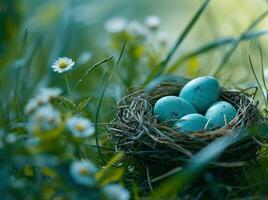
x=33, y=33
x=71, y=28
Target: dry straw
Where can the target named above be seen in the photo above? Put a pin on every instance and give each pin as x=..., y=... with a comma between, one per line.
x=160, y=148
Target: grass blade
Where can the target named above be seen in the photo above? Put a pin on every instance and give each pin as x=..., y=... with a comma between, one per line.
x=101, y=99
x=87, y=72
x=215, y=71
x=262, y=75
x=213, y=45
x=257, y=80
x=161, y=67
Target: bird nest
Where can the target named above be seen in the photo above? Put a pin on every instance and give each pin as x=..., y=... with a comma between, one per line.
x=161, y=148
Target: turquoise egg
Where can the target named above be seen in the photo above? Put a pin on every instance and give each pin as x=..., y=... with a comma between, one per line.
x=201, y=92
x=192, y=123
x=171, y=108
x=220, y=113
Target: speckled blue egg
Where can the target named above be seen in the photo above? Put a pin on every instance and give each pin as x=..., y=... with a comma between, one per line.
x=171, y=108
x=192, y=123
x=220, y=113
x=201, y=92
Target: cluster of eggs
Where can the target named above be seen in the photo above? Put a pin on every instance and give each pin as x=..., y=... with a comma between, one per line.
x=197, y=107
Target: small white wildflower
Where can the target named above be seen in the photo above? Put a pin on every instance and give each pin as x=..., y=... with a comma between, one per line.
x=116, y=25
x=11, y=138
x=85, y=57
x=152, y=22
x=115, y=192
x=62, y=64
x=44, y=95
x=163, y=38
x=83, y=172
x=31, y=106
x=136, y=29
x=80, y=127
x=45, y=118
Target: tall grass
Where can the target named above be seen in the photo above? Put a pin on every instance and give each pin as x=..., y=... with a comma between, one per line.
x=25, y=68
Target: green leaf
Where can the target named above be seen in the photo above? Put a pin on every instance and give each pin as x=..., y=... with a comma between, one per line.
x=83, y=103
x=135, y=191
x=109, y=173
x=64, y=101
x=112, y=175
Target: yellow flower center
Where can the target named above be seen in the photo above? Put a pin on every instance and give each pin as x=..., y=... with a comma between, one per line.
x=28, y=171
x=84, y=172
x=80, y=127
x=63, y=64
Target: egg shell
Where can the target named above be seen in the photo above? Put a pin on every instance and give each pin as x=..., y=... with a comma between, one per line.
x=220, y=111
x=201, y=92
x=171, y=108
x=192, y=123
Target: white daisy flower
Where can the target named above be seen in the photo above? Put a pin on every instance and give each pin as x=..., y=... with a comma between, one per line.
x=115, y=192
x=62, y=64
x=116, y=25
x=80, y=127
x=136, y=29
x=31, y=106
x=11, y=138
x=45, y=118
x=163, y=38
x=83, y=172
x=43, y=96
x=152, y=22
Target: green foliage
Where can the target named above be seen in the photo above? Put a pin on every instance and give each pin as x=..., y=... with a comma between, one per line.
x=227, y=55
x=38, y=149
x=211, y=46
x=160, y=68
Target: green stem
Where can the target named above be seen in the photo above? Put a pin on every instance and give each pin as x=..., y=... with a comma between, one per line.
x=67, y=84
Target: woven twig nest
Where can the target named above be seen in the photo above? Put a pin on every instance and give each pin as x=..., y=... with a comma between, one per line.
x=160, y=147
